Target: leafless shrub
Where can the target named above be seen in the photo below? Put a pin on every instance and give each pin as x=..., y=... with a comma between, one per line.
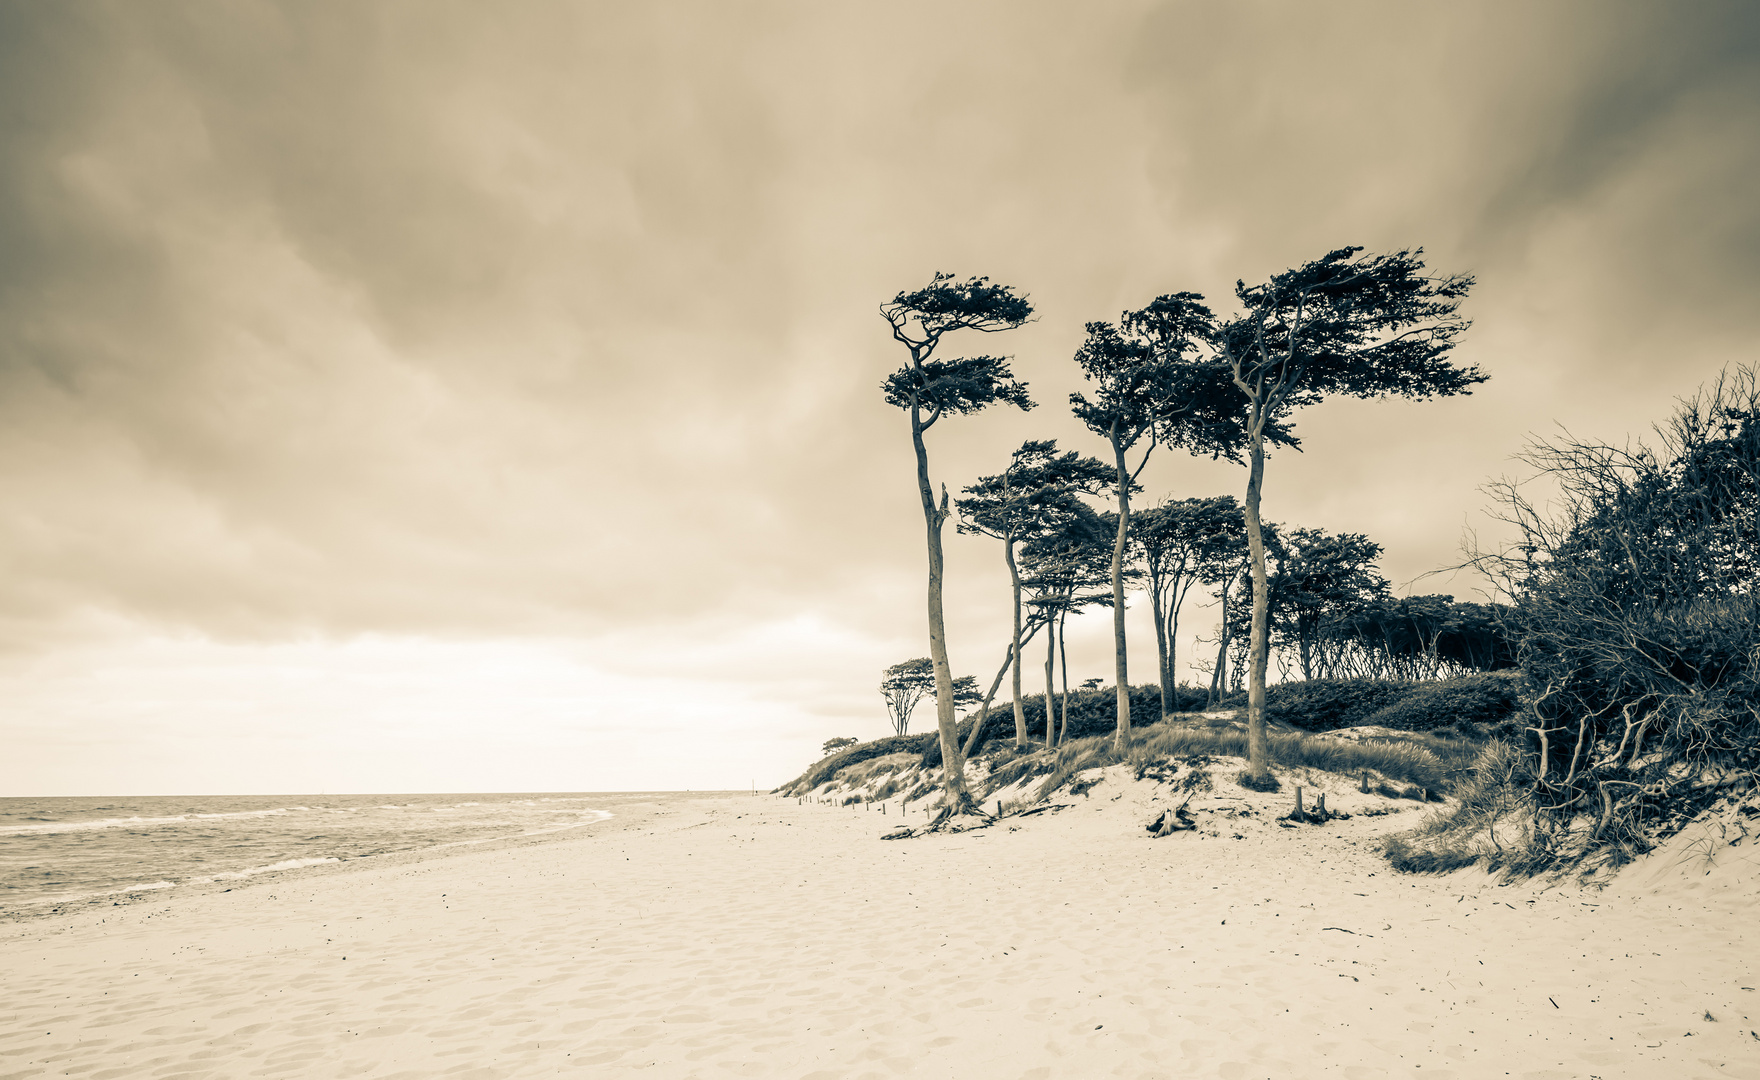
x=1636, y=612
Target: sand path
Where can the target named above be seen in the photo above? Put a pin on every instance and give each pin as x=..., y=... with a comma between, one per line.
x=758, y=937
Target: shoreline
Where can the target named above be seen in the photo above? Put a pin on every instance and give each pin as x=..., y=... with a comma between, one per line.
x=234, y=880
x=759, y=936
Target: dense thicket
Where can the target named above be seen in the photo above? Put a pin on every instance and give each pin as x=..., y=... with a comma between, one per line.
x=1636, y=621
x=1467, y=703
x=1415, y=637
x=1325, y=704
x=1637, y=614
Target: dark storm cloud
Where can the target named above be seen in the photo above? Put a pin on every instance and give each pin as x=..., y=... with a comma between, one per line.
x=422, y=318
x=347, y=317
x=1480, y=131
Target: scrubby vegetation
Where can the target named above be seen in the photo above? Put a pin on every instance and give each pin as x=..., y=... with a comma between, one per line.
x=1491, y=698
x=1637, y=620
x=1413, y=763
x=1325, y=704
x=829, y=767
x=1092, y=711
x=1403, y=766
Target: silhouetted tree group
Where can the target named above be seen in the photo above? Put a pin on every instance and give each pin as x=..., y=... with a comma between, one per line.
x=1171, y=374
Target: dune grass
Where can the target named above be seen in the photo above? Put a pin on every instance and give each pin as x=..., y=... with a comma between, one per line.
x=1424, y=763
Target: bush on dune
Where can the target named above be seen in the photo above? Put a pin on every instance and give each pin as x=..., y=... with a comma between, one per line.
x=829, y=767
x=1422, y=760
x=1091, y=712
x=1326, y=704
x=1489, y=698
x=1413, y=762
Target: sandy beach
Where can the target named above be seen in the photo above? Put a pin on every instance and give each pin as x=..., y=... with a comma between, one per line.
x=757, y=936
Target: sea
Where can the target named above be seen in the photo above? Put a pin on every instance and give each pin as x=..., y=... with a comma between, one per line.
x=58, y=853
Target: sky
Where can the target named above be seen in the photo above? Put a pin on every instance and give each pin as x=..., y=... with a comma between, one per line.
x=434, y=396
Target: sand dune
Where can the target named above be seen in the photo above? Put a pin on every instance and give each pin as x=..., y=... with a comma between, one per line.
x=760, y=937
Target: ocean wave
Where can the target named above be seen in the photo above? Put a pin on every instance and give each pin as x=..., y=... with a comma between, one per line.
x=137, y=822
x=146, y=887
x=286, y=864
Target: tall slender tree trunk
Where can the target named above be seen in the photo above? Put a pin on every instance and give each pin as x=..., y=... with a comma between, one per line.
x=1050, y=690
x=989, y=695
x=1169, y=683
x=1219, y=676
x=1158, y=609
x=1014, y=577
x=957, y=800
x=1122, y=739
x=1258, y=751
x=1063, y=665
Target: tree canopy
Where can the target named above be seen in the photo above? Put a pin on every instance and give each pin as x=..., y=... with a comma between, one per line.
x=1181, y=543
x=1345, y=323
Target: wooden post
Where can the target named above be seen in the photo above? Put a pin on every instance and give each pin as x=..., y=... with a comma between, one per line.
x=1365, y=782
x=1320, y=806
x=1298, y=814
x=998, y=807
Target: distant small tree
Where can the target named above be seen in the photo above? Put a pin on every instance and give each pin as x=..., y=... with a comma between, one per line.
x=904, y=685
x=1322, y=576
x=833, y=745
x=1067, y=570
x=1345, y=323
x=1181, y=543
x=965, y=692
x=1152, y=384
x=1031, y=497
x=927, y=389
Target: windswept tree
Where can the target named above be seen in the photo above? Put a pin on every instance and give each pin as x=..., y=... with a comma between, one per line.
x=1322, y=576
x=927, y=389
x=1365, y=326
x=1067, y=569
x=1415, y=638
x=1181, y=543
x=1033, y=496
x=965, y=691
x=1153, y=384
x=904, y=685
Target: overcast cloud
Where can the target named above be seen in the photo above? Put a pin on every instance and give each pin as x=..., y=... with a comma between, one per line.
x=421, y=396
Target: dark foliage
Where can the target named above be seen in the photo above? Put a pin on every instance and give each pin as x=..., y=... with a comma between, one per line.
x=1149, y=379
x=1492, y=698
x=1351, y=325
x=1637, y=623
x=1416, y=637
x=1320, y=576
x=1325, y=704
x=1637, y=613
x=956, y=386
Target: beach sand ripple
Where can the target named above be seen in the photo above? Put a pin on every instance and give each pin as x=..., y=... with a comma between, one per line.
x=761, y=937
